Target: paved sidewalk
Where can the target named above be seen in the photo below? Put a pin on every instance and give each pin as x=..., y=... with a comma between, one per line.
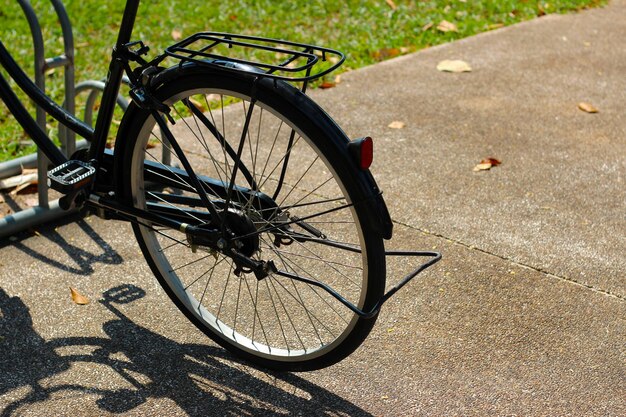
x=526, y=314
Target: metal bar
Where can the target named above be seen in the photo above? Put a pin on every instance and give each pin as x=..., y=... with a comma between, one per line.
x=376, y=308
x=56, y=62
x=68, y=139
x=38, y=69
x=32, y=217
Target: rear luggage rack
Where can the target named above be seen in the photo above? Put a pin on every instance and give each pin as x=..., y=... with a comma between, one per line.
x=272, y=58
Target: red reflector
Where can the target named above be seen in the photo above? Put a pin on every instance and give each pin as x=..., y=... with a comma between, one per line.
x=362, y=150
x=366, y=153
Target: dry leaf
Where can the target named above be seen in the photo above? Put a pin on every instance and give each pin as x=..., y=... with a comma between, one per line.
x=396, y=124
x=586, y=107
x=177, y=34
x=454, y=66
x=386, y=53
x=327, y=84
x=78, y=298
x=486, y=164
x=493, y=161
x=427, y=26
x=482, y=167
x=445, y=26
x=338, y=79
x=391, y=4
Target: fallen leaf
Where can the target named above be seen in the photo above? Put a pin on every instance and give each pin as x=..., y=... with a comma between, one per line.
x=427, y=26
x=391, y=4
x=454, y=66
x=445, y=26
x=486, y=164
x=482, y=167
x=78, y=298
x=327, y=84
x=586, y=107
x=177, y=34
x=386, y=53
x=493, y=161
x=495, y=26
x=396, y=124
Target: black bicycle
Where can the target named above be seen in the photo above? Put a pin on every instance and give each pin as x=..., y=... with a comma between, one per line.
x=255, y=212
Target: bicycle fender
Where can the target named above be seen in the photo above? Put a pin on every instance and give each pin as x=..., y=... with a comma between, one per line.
x=376, y=212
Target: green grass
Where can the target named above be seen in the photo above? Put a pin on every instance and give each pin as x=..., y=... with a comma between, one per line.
x=367, y=31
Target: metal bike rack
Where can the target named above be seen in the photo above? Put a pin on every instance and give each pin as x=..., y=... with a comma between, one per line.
x=47, y=210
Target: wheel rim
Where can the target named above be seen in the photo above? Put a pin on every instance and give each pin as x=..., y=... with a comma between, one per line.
x=275, y=317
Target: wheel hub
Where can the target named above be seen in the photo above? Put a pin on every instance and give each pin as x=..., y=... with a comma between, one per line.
x=243, y=234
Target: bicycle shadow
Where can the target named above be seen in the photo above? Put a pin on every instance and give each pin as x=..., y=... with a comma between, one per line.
x=201, y=380
x=83, y=259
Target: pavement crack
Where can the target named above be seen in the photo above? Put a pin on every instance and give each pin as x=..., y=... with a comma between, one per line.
x=513, y=261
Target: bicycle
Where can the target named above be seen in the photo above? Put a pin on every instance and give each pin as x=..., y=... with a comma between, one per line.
x=263, y=224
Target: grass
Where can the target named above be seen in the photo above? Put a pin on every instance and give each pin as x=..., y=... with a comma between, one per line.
x=366, y=30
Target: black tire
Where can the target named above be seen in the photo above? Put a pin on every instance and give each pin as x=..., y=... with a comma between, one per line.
x=275, y=322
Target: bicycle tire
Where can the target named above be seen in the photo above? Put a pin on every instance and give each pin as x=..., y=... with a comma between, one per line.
x=275, y=322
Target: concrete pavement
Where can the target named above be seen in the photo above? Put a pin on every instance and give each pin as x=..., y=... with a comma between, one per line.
x=524, y=316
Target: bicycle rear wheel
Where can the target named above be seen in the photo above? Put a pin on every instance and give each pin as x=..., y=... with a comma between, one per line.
x=310, y=222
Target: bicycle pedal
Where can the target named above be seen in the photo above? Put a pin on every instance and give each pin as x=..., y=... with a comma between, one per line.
x=71, y=176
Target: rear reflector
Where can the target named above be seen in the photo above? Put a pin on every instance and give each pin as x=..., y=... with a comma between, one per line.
x=362, y=150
